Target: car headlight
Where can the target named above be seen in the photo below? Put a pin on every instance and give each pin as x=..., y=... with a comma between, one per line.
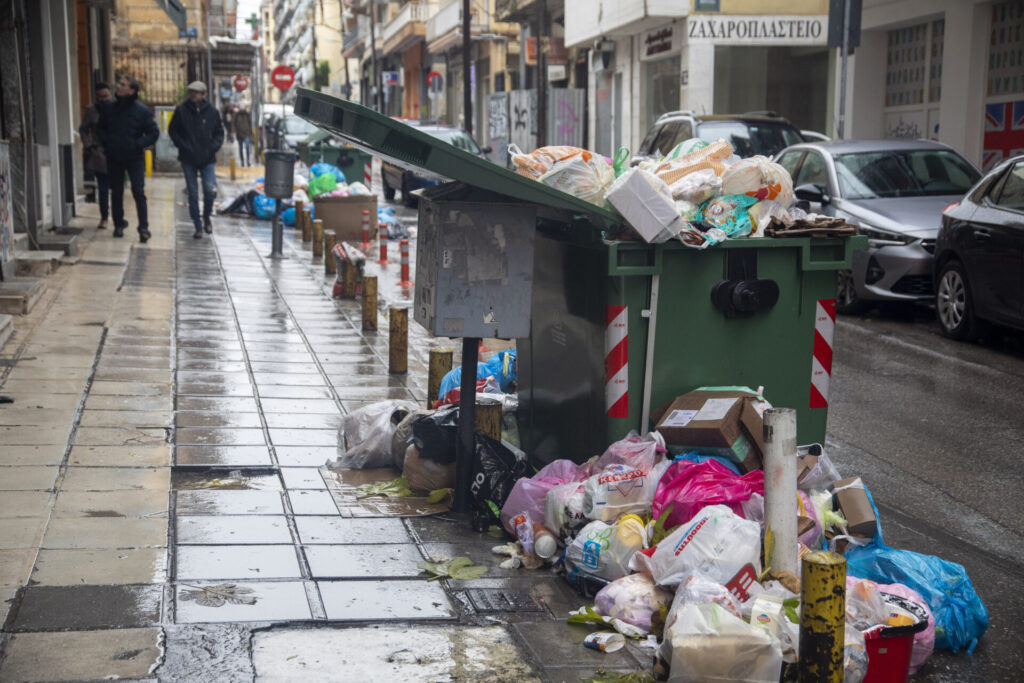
x=884, y=238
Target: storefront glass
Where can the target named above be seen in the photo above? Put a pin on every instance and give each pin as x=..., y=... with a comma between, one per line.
x=662, y=87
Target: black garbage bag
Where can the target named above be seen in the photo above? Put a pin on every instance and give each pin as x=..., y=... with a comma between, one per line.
x=435, y=435
x=495, y=470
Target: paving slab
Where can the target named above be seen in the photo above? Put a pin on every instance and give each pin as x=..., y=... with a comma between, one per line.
x=232, y=529
x=223, y=456
x=302, y=478
x=19, y=532
x=120, y=456
x=161, y=404
x=383, y=561
x=410, y=600
x=33, y=436
x=78, y=478
x=229, y=503
x=28, y=478
x=80, y=608
x=15, y=566
x=312, y=502
x=198, y=436
x=107, y=566
x=332, y=421
x=81, y=655
x=24, y=503
x=216, y=562
x=106, y=532
x=288, y=405
x=210, y=602
x=143, y=503
x=114, y=436
x=305, y=456
x=304, y=437
x=124, y=418
x=216, y=419
x=222, y=403
x=37, y=417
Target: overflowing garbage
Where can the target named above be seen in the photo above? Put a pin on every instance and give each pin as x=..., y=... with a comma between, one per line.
x=666, y=533
x=700, y=193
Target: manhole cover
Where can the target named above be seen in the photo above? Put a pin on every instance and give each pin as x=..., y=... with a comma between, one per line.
x=494, y=600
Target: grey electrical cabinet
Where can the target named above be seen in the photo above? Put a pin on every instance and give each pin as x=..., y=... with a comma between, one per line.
x=474, y=264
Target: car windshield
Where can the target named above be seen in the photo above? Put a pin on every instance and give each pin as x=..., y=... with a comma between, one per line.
x=750, y=138
x=459, y=138
x=911, y=173
x=293, y=125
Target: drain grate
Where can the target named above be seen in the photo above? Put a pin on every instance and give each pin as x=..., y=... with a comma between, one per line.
x=497, y=600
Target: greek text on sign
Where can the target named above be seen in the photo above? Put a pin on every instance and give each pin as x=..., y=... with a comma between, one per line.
x=758, y=30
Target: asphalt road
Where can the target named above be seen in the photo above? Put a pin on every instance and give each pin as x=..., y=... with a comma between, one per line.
x=935, y=428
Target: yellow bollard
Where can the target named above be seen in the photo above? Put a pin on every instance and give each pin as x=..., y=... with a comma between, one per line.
x=398, y=341
x=370, y=303
x=487, y=417
x=440, y=365
x=318, y=238
x=822, y=616
x=349, y=279
x=307, y=226
x=299, y=206
x=232, y=168
x=329, y=265
x=149, y=163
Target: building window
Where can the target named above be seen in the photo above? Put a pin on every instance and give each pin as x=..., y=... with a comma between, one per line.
x=1006, y=49
x=913, y=80
x=662, y=87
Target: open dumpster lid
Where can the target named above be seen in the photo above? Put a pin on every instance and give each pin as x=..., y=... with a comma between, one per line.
x=413, y=149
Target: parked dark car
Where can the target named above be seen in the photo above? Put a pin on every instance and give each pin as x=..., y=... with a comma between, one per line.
x=395, y=178
x=894, y=192
x=979, y=255
x=763, y=133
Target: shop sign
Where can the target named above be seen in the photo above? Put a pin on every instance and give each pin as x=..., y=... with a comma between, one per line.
x=757, y=30
x=554, y=50
x=658, y=42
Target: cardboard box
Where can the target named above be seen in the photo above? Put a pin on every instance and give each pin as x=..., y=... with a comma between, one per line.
x=651, y=213
x=726, y=423
x=804, y=464
x=344, y=215
x=852, y=500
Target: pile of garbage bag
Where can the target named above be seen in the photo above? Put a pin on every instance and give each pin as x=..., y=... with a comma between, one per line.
x=699, y=193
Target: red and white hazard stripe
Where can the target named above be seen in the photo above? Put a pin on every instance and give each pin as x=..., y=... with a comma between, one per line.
x=821, y=363
x=616, y=366
x=367, y=175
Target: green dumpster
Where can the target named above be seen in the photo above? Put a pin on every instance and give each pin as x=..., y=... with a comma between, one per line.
x=321, y=146
x=620, y=327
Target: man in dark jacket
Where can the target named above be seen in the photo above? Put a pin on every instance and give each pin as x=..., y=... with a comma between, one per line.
x=95, y=158
x=197, y=132
x=127, y=128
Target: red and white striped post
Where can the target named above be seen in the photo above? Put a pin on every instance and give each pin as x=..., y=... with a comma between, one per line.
x=367, y=175
x=364, y=246
x=382, y=239
x=403, y=250
x=821, y=363
x=616, y=365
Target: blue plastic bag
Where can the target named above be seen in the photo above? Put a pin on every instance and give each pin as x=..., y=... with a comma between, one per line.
x=501, y=366
x=960, y=615
x=321, y=168
x=288, y=216
x=698, y=457
x=263, y=207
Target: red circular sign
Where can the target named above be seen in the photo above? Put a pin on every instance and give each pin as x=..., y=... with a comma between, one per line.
x=283, y=77
x=241, y=83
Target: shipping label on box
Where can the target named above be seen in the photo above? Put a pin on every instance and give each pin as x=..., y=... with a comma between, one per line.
x=724, y=423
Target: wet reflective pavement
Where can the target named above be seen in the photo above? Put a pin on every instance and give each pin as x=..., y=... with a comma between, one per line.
x=169, y=487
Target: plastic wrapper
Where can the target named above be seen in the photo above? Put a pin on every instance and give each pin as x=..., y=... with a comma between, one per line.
x=855, y=655
x=760, y=178
x=697, y=187
x=604, y=550
x=528, y=494
x=685, y=147
x=633, y=599
x=320, y=168
x=587, y=179
x=696, y=589
x=364, y=439
x=322, y=184
x=729, y=214
x=435, y=434
x=496, y=468
x=501, y=366
x=563, y=510
x=689, y=486
x=762, y=213
x=424, y=474
x=539, y=161
x=924, y=642
x=716, y=542
x=711, y=157
x=865, y=606
x=688, y=210
x=821, y=476
x=634, y=450
x=359, y=189
x=621, y=489
x=709, y=643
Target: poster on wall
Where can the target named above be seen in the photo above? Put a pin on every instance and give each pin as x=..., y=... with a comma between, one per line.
x=1004, y=132
x=6, y=209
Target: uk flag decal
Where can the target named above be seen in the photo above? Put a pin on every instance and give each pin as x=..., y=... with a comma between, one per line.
x=1004, y=132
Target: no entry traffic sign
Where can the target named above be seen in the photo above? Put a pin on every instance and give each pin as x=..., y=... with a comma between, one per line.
x=283, y=77
x=241, y=83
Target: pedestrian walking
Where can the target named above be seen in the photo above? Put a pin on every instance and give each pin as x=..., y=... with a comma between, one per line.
x=228, y=118
x=243, y=131
x=198, y=133
x=127, y=128
x=95, y=159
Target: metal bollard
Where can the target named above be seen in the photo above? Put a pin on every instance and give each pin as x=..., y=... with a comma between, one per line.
x=329, y=240
x=403, y=250
x=488, y=417
x=318, y=238
x=822, y=616
x=348, y=279
x=370, y=303
x=299, y=207
x=780, y=496
x=232, y=164
x=364, y=246
x=398, y=341
x=149, y=163
x=440, y=365
x=307, y=226
x=382, y=239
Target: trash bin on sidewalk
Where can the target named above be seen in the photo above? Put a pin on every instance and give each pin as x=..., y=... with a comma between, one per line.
x=321, y=146
x=589, y=371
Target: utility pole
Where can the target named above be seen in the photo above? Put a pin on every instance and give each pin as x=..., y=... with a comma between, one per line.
x=467, y=85
x=341, y=29
x=316, y=85
x=842, y=78
x=542, y=75
x=379, y=98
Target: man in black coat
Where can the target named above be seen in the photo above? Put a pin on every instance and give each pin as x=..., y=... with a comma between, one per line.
x=197, y=132
x=126, y=129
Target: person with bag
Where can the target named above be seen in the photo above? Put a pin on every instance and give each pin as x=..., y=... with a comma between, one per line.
x=243, y=131
x=95, y=159
x=198, y=133
x=127, y=128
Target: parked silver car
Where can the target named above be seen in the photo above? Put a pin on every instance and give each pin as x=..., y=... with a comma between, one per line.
x=894, y=191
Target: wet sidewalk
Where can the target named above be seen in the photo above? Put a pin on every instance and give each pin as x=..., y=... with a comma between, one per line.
x=174, y=520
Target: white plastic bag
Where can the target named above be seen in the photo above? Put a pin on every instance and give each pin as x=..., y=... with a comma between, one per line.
x=709, y=643
x=563, y=510
x=633, y=599
x=715, y=542
x=645, y=201
x=697, y=589
x=697, y=187
x=586, y=179
x=604, y=550
x=364, y=439
x=759, y=178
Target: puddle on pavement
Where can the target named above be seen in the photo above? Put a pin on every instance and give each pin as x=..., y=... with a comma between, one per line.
x=435, y=653
x=225, y=480
x=343, y=486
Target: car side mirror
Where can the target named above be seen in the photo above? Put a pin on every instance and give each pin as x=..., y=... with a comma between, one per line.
x=487, y=150
x=811, y=193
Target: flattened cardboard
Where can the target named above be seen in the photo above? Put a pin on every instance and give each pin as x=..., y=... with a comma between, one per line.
x=735, y=431
x=855, y=506
x=804, y=464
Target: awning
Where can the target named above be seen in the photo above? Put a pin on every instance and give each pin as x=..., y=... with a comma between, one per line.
x=176, y=11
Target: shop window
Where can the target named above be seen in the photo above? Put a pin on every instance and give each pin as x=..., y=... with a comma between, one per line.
x=913, y=80
x=1006, y=49
x=662, y=87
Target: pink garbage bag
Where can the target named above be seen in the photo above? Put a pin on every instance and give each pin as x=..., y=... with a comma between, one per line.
x=634, y=450
x=528, y=494
x=692, y=486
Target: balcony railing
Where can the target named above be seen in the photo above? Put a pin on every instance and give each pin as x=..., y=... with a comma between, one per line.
x=449, y=18
x=360, y=32
x=411, y=12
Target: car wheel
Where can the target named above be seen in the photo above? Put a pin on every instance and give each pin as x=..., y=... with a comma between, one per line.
x=847, y=301
x=953, y=305
x=389, y=192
